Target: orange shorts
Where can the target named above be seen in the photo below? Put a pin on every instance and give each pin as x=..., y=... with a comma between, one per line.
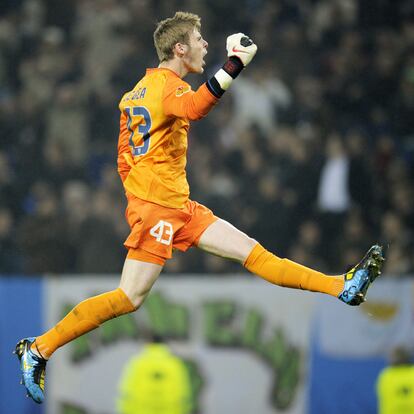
x=157, y=230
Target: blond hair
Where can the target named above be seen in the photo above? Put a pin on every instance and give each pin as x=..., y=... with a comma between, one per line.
x=174, y=30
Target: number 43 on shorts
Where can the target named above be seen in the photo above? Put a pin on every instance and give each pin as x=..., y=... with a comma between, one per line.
x=163, y=232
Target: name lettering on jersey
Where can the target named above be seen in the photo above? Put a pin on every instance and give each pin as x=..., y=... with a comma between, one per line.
x=135, y=94
x=181, y=90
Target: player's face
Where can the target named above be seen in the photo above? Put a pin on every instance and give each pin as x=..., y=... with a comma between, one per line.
x=194, y=56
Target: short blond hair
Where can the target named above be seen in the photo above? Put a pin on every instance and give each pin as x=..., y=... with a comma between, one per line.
x=174, y=30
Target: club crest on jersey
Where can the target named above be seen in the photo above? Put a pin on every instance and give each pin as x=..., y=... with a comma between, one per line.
x=181, y=90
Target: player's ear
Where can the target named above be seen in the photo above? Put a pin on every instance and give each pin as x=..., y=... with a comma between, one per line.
x=180, y=49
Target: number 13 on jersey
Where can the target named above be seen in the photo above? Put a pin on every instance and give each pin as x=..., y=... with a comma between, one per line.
x=139, y=124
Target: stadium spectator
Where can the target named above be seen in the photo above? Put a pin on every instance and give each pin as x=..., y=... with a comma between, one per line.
x=155, y=382
x=10, y=261
x=395, y=385
x=41, y=234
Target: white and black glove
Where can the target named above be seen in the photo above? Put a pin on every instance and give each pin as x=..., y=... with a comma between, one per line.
x=240, y=50
x=241, y=46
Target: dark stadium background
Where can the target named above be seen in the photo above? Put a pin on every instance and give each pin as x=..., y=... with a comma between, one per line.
x=339, y=72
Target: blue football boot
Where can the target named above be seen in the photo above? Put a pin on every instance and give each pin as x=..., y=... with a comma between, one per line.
x=33, y=369
x=359, y=278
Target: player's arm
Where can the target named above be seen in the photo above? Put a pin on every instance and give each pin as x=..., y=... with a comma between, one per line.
x=123, y=148
x=179, y=100
x=240, y=52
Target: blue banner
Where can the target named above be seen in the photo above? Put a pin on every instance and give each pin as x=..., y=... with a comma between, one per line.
x=350, y=347
x=21, y=315
x=342, y=385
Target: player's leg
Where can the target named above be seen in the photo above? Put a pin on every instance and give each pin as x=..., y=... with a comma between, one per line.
x=223, y=239
x=136, y=282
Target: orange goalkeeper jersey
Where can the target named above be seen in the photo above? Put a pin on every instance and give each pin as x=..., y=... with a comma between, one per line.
x=152, y=142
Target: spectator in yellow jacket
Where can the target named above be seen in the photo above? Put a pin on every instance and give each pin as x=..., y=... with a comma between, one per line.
x=155, y=382
x=395, y=385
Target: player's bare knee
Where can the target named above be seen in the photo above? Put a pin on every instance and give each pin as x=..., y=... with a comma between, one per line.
x=246, y=248
x=137, y=280
x=136, y=294
x=250, y=243
x=136, y=298
x=137, y=302
x=240, y=251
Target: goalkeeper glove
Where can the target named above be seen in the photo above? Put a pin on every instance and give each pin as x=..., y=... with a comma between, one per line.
x=241, y=46
x=240, y=50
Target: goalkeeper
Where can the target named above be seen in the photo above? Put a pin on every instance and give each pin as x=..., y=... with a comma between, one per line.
x=152, y=147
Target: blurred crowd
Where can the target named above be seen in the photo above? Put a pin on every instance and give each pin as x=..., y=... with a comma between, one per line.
x=311, y=152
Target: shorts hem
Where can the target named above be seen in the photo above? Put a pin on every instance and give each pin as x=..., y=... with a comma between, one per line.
x=145, y=256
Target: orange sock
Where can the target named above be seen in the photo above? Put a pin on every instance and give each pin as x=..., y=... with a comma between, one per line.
x=284, y=272
x=83, y=318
